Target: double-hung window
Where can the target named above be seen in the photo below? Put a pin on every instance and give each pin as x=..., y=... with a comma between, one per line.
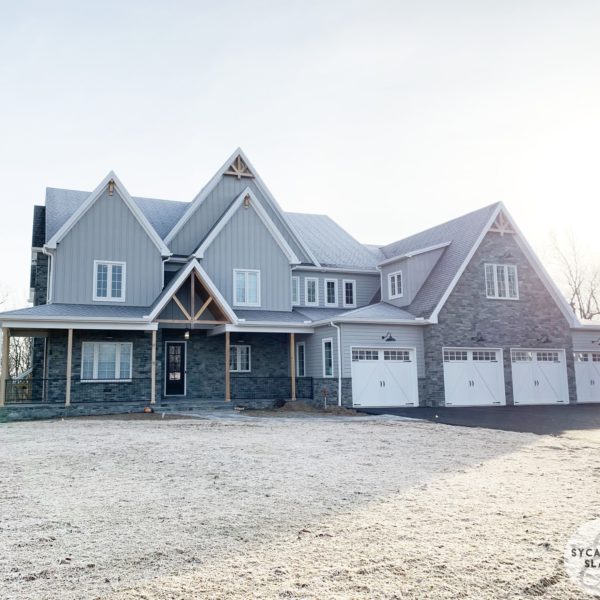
x=239, y=359
x=328, y=357
x=331, y=294
x=349, y=293
x=106, y=361
x=246, y=287
x=300, y=359
x=501, y=281
x=395, y=285
x=295, y=291
x=109, y=281
x=311, y=291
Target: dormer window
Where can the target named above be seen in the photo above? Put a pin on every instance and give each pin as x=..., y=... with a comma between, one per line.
x=395, y=285
x=109, y=281
x=501, y=282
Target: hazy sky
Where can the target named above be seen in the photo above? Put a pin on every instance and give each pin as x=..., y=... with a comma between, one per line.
x=388, y=116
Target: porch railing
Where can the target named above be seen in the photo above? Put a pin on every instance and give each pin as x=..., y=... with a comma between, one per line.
x=34, y=390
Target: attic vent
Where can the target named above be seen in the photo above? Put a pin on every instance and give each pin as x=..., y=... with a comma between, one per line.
x=502, y=225
x=239, y=169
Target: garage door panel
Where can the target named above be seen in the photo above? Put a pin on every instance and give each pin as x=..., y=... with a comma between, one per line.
x=539, y=376
x=587, y=377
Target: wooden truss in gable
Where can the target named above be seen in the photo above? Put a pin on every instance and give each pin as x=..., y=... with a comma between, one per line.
x=193, y=304
x=502, y=225
x=238, y=168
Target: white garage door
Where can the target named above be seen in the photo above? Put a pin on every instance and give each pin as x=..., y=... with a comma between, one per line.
x=539, y=376
x=384, y=377
x=587, y=373
x=474, y=377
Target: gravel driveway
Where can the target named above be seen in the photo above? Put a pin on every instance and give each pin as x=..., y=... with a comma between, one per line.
x=288, y=508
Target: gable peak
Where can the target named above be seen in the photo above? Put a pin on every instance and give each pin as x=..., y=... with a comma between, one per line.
x=238, y=168
x=502, y=224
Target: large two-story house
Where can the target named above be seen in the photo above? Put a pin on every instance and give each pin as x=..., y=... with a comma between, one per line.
x=229, y=299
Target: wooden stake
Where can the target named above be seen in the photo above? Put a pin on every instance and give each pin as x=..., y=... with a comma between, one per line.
x=293, y=363
x=153, y=370
x=69, y=366
x=4, y=367
x=227, y=369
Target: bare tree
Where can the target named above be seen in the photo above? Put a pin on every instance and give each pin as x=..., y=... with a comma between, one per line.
x=20, y=355
x=581, y=278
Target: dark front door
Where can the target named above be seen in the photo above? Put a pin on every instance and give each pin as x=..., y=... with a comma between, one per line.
x=175, y=369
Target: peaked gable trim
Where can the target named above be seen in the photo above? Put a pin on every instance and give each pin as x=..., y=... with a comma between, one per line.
x=111, y=180
x=171, y=290
x=209, y=187
x=529, y=254
x=262, y=215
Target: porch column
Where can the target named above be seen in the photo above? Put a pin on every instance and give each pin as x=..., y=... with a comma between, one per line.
x=153, y=369
x=227, y=373
x=69, y=365
x=293, y=363
x=5, y=367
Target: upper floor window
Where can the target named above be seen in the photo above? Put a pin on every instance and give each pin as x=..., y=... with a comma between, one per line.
x=311, y=291
x=349, y=293
x=501, y=281
x=328, y=357
x=239, y=359
x=246, y=287
x=109, y=281
x=395, y=285
x=105, y=361
x=295, y=291
x=331, y=295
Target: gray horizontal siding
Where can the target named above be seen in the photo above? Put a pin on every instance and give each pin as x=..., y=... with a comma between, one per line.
x=214, y=206
x=583, y=340
x=314, y=350
x=107, y=231
x=366, y=286
x=415, y=271
x=245, y=243
x=370, y=336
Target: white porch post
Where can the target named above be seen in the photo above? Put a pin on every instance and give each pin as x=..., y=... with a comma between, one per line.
x=5, y=366
x=69, y=366
x=153, y=369
x=293, y=363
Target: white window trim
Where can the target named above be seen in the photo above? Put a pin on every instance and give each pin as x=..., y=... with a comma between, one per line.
x=117, y=363
x=335, y=282
x=323, y=342
x=396, y=295
x=298, y=344
x=246, y=271
x=495, y=296
x=237, y=358
x=316, y=302
x=344, y=303
x=110, y=264
x=296, y=285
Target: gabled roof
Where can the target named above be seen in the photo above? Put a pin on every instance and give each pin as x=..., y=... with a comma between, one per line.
x=257, y=207
x=119, y=188
x=330, y=244
x=208, y=188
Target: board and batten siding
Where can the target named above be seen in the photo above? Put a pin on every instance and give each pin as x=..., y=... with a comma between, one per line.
x=366, y=286
x=586, y=339
x=190, y=236
x=245, y=243
x=370, y=336
x=107, y=231
x=415, y=271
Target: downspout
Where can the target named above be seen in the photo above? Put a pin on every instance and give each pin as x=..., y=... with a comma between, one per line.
x=49, y=286
x=339, y=346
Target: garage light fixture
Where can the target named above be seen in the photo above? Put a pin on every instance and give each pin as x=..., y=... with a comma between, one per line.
x=388, y=337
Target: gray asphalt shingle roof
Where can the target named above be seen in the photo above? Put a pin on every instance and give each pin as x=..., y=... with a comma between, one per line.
x=462, y=233
x=61, y=204
x=80, y=311
x=381, y=310
x=331, y=245
x=271, y=316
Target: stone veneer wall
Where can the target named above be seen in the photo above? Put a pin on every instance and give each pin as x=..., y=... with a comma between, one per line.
x=503, y=324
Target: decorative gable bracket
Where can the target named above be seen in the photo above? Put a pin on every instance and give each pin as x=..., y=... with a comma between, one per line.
x=238, y=168
x=502, y=225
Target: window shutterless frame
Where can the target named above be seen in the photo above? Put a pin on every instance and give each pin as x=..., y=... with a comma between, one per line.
x=109, y=281
x=349, y=292
x=236, y=350
x=295, y=290
x=327, y=351
x=301, y=359
x=501, y=281
x=246, y=273
x=95, y=348
x=331, y=285
x=395, y=285
x=307, y=286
